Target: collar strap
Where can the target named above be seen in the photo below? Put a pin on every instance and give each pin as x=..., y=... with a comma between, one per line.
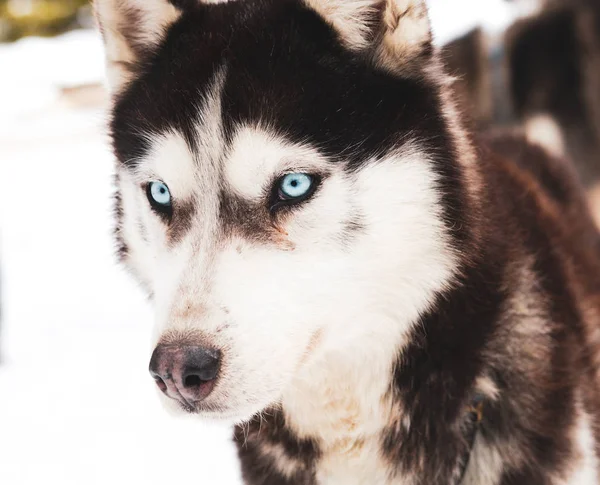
x=474, y=418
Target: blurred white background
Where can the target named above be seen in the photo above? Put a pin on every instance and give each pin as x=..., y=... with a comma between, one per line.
x=77, y=405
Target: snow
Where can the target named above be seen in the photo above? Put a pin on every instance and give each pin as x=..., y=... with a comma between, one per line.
x=77, y=405
x=38, y=67
x=452, y=18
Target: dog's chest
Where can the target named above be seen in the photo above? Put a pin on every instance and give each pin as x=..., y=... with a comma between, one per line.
x=357, y=463
x=346, y=415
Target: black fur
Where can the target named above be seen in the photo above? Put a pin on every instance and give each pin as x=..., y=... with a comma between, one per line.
x=284, y=65
x=270, y=431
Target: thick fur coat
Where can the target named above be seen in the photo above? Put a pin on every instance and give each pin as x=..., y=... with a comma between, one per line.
x=428, y=313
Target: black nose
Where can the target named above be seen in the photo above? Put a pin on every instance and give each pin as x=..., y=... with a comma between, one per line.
x=185, y=373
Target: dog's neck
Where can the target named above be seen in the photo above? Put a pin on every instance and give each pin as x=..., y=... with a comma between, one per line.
x=342, y=402
x=341, y=396
x=345, y=396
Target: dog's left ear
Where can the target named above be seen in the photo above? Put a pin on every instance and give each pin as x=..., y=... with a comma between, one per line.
x=396, y=32
x=131, y=29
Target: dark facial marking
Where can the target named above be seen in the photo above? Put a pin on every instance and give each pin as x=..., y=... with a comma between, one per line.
x=249, y=220
x=121, y=245
x=352, y=228
x=181, y=222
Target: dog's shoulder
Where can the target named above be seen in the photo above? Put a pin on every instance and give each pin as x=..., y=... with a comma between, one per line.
x=538, y=198
x=526, y=175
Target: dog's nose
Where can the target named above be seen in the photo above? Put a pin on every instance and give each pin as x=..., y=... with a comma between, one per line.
x=185, y=373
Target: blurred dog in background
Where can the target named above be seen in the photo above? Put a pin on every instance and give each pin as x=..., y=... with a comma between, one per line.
x=542, y=75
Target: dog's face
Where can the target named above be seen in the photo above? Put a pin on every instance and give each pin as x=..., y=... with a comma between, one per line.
x=285, y=174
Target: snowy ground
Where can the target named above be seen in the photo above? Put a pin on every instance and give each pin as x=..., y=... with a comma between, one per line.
x=76, y=403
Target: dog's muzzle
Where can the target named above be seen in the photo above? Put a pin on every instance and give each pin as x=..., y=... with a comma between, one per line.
x=185, y=373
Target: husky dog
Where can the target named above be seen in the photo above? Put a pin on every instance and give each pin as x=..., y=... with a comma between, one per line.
x=374, y=297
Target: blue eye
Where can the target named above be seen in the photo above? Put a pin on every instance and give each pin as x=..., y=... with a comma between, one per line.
x=159, y=195
x=295, y=186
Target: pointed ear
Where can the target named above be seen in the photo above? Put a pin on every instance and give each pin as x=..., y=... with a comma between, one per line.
x=396, y=32
x=131, y=29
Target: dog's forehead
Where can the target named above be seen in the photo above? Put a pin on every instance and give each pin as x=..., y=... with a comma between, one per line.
x=277, y=64
x=231, y=43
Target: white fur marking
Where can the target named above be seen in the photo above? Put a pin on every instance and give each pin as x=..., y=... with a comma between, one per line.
x=585, y=470
x=485, y=464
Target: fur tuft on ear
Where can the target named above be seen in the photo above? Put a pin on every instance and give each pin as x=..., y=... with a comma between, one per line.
x=407, y=33
x=131, y=29
x=397, y=32
x=354, y=20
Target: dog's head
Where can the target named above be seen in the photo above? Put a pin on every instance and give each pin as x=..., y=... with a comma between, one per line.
x=289, y=184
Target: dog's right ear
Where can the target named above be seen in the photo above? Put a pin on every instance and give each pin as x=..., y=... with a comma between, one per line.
x=131, y=29
x=396, y=32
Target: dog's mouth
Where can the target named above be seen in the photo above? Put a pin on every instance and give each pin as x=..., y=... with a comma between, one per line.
x=219, y=411
x=208, y=410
